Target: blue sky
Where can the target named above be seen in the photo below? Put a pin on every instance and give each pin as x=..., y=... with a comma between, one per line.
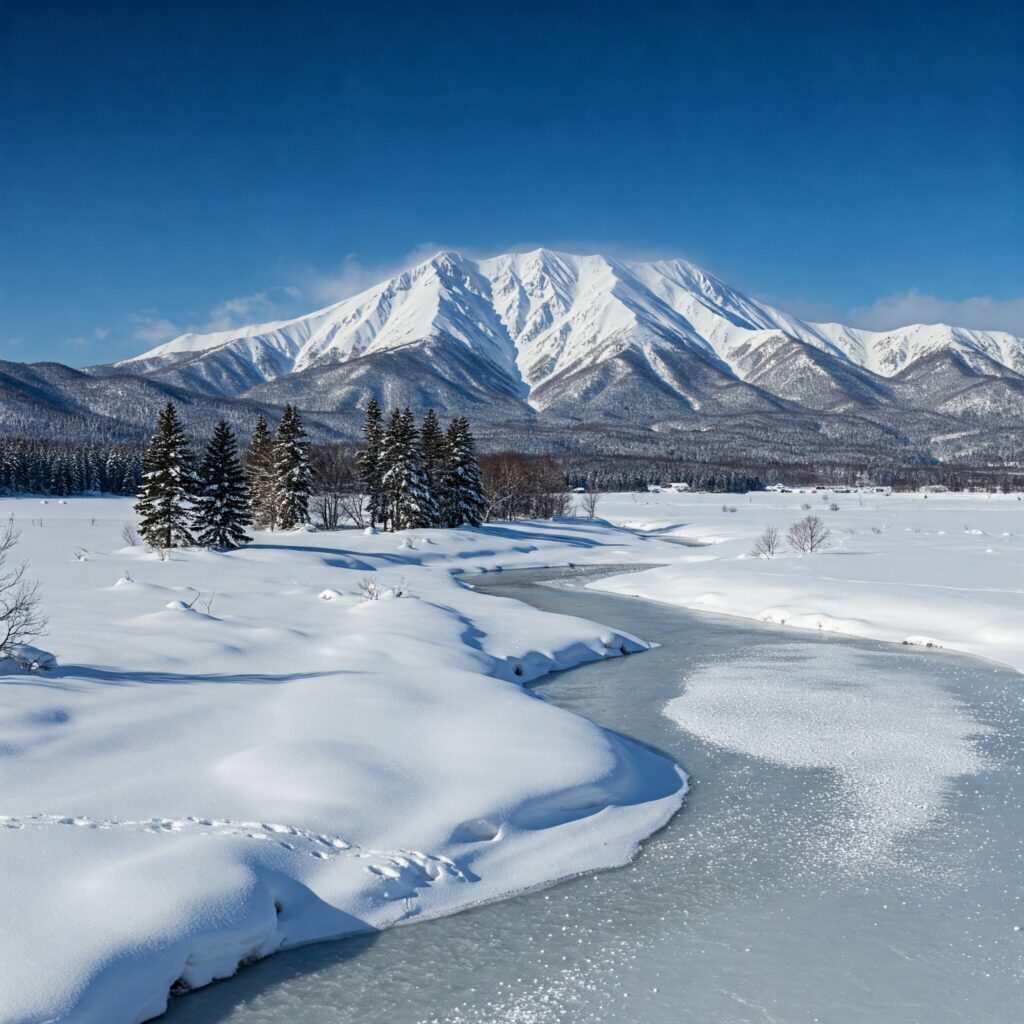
x=173, y=166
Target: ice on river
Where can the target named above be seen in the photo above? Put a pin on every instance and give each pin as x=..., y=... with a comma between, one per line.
x=893, y=743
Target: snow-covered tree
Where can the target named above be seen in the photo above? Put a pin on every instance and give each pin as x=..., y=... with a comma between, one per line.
x=368, y=462
x=461, y=494
x=409, y=503
x=292, y=476
x=434, y=450
x=168, y=485
x=221, y=511
x=259, y=476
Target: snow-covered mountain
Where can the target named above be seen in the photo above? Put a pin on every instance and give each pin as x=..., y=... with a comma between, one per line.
x=547, y=351
x=568, y=333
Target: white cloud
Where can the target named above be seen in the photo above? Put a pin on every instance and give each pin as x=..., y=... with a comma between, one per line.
x=278, y=303
x=153, y=329
x=79, y=342
x=982, y=312
x=269, y=304
x=353, y=276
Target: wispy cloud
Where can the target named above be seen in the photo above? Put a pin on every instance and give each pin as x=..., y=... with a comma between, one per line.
x=152, y=329
x=77, y=342
x=269, y=304
x=982, y=312
x=902, y=309
x=149, y=327
x=353, y=275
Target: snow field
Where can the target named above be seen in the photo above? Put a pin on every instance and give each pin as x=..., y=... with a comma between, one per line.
x=237, y=752
x=205, y=779
x=945, y=570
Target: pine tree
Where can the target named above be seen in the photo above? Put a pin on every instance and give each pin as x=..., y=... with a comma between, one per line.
x=222, y=506
x=168, y=485
x=292, y=477
x=368, y=461
x=259, y=476
x=461, y=493
x=409, y=503
x=434, y=450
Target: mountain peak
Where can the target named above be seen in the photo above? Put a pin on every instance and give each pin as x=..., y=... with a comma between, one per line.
x=536, y=316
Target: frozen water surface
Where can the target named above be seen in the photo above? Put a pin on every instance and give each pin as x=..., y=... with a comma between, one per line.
x=850, y=852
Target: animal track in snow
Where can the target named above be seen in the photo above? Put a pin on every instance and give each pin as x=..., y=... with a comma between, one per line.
x=401, y=872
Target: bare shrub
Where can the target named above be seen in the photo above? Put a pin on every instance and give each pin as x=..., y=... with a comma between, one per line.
x=371, y=589
x=589, y=504
x=20, y=618
x=767, y=544
x=806, y=507
x=808, y=535
x=128, y=535
x=833, y=507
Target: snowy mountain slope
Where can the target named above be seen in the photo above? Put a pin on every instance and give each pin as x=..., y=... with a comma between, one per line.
x=538, y=324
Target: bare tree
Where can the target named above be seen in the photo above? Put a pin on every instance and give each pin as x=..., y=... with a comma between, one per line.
x=128, y=535
x=517, y=487
x=767, y=544
x=589, y=503
x=20, y=618
x=336, y=495
x=548, y=496
x=808, y=535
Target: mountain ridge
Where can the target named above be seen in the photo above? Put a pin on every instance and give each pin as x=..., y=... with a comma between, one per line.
x=549, y=351
x=533, y=316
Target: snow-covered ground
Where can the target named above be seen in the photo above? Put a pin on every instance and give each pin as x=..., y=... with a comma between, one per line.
x=945, y=570
x=200, y=782
x=237, y=752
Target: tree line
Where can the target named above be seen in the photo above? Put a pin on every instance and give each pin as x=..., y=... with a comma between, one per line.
x=33, y=466
x=212, y=500
x=418, y=477
x=406, y=477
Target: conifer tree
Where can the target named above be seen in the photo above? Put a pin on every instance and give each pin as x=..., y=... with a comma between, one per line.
x=409, y=502
x=461, y=492
x=434, y=450
x=222, y=504
x=259, y=476
x=293, y=480
x=168, y=485
x=368, y=461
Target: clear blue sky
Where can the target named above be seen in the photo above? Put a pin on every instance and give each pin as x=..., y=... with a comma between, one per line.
x=178, y=164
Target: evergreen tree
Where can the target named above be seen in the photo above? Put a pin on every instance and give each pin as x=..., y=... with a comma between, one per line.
x=222, y=506
x=409, y=503
x=293, y=480
x=434, y=450
x=168, y=485
x=461, y=494
x=368, y=462
x=259, y=476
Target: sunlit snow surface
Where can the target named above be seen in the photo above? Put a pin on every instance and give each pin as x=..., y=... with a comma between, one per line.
x=235, y=753
x=894, y=741
x=866, y=879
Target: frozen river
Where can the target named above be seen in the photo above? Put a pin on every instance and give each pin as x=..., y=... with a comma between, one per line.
x=850, y=852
